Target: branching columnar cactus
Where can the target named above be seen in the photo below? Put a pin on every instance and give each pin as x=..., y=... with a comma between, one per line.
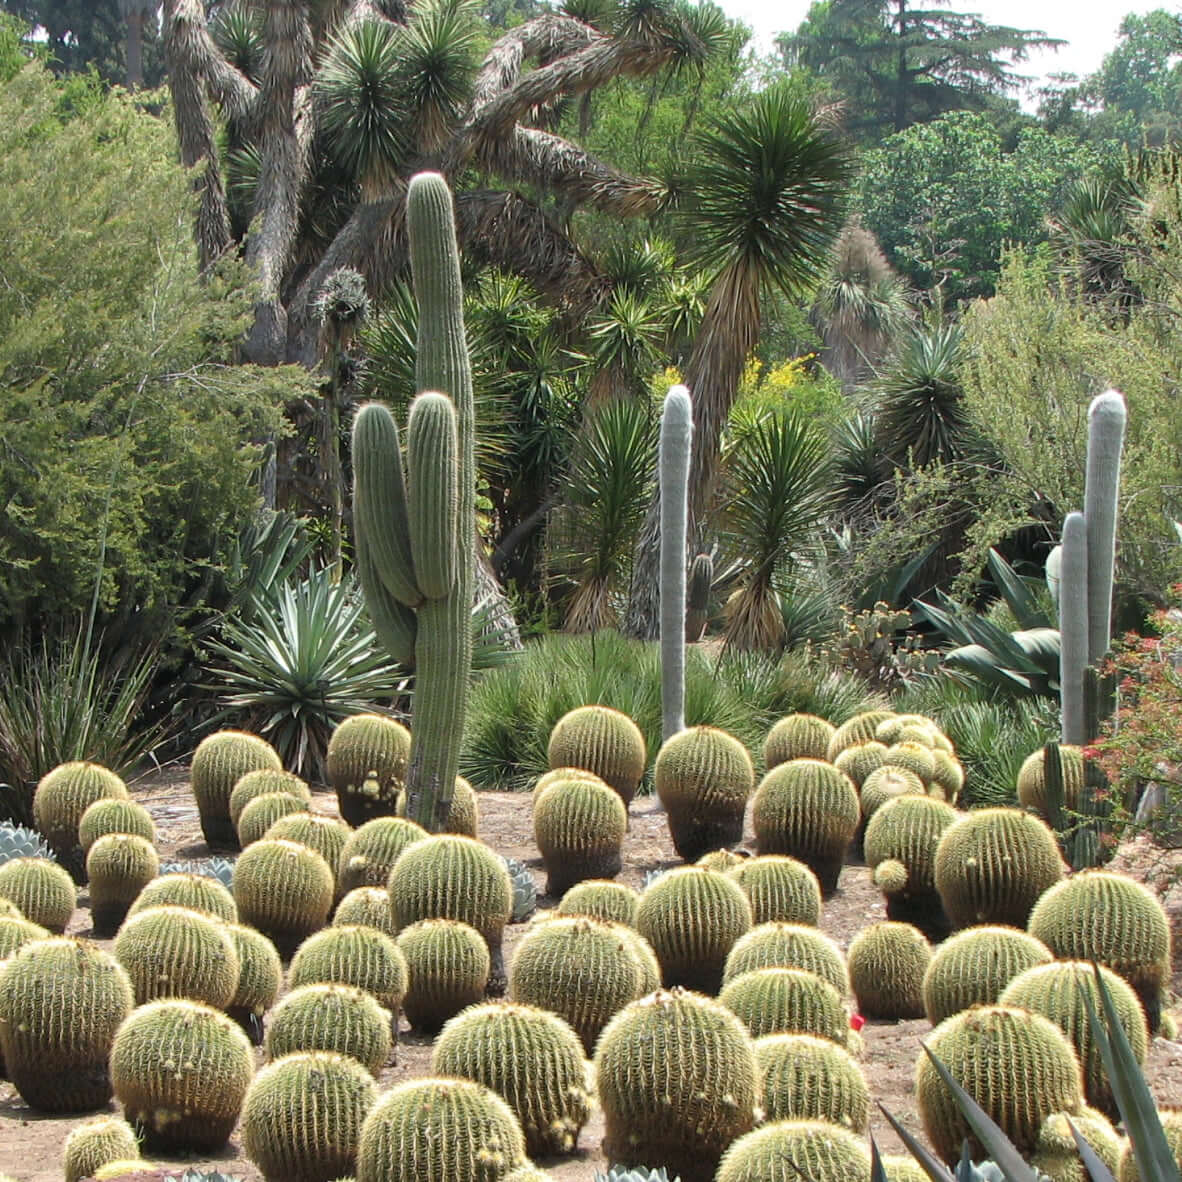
x=366, y=765
x=797, y=736
x=325, y=835
x=95, y=1144
x=804, y=1077
x=677, y=1082
x=336, y=1018
x=181, y=1069
x=370, y=853
x=114, y=815
x=807, y=809
x=1063, y=992
x=579, y=828
x=703, y=777
x=788, y=946
x=612, y=901
x=357, y=956
x=780, y=889
x=993, y=864
x=787, y=1001
x=302, y=1116
x=220, y=761
x=262, y=812
x=194, y=891
x=974, y=966
x=1114, y=920
x=415, y=529
x=677, y=429
x=697, y=607
x=532, y=1059
x=887, y=965
x=448, y=968
x=789, y=1150
x=41, y=890
x=283, y=889
x=61, y=798
x=1056, y=1154
x=1018, y=1066
x=262, y=782
x=61, y=1002
x=604, y=741
x=260, y=976
x=859, y=729
x=439, y=1130
x=118, y=866
x=367, y=906
x=692, y=917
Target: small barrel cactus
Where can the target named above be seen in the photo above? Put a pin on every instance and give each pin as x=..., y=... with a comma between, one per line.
x=676, y=1078
x=447, y=969
x=1113, y=920
x=601, y=899
x=61, y=798
x=780, y=889
x=367, y=906
x=336, y=1018
x=797, y=736
x=692, y=917
x=787, y=1001
x=302, y=1116
x=804, y=1077
x=181, y=1070
x=604, y=741
x=95, y=1144
x=260, y=976
x=808, y=810
x=61, y=1002
x=113, y=814
x=912, y=757
x=579, y=828
x=788, y=946
x=265, y=782
x=1018, y=1066
x=789, y=1150
x=859, y=761
x=325, y=835
x=563, y=773
x=903, y=1168
x=974, y=966
x=118, y=866
x=703, y=776
x=1056, y=1155
x=463, y=814
x=887, y=965
x=370, y=853
x=16, y=932
x=358, y=956
x=283, y=889
x=859, y=729
x=993, y=864
x=1032, y=788
x=884, y=784
x=439, y=1130
x=196, y=892
x=261, y=813
x=947, y=780
x=41, y=890
x=722, y=859
x=529, y=1057
x=366, y=765
x=220, y=761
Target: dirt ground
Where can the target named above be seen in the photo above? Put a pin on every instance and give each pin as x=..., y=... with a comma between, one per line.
x=31, y=1144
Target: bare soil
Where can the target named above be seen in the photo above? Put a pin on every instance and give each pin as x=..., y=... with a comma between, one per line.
x=31, y=1143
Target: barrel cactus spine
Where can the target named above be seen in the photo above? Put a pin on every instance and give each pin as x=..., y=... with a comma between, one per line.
x=604, y=741
x=677, y=429
x=859, y=761
x=62, y=797
x=262, y=782
x=1031, y=783
x=797, y=736
x=119, y=866
x=366, y=765
x=362, y=957
x=340, y=1019
x=220, y=761
x=1171, y=1123
x=579, y=828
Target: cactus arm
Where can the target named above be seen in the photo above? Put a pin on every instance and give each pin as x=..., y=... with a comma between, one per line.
x=677, y=430
x=394, y=624
x=1106, y=431
x=431, y=462
x=1073, y=627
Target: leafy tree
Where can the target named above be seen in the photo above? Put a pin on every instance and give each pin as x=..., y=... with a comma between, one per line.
x=896, y=64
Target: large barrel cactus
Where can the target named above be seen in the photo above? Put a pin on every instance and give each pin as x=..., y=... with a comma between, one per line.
x=113, y=814
x=887, y=965
x=118, y=866
x=579, y=828
x=283, y=889
x=797, y=736
x=370, y=853
x=789, y=1150
x=601, y=899
x=604, y=741
x=804, y=1077
x=263, y=782
x=788, y=946
x=335, y=1018
x=220, y=761
x=59, y=802
x=358, y=956
x=40, y=890
x=780, y=889
x=95, y=1143
x=448, y=967
x=787, y=1001
x=366, y=765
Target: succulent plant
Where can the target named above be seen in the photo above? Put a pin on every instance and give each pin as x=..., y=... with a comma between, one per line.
x=1018, y=1066
x=859, y=729
x=367, y=906
x=220, y=761
x=181, y=1069
x=673, y=468
x=791, y=1149
x=912, y=757
x=703, y=777
x=41, y=890
x=676, y=1078
x=904, y=1168
x=96, y=1143
x=993, y=864
x=797, y=736
x=786, y=1001
x=974, y=966
x=585, y=970
x=370, y=853
x=947, y=780
x=325, y=835
x=886, y=783
x=448, y=968
x=788, y=946
x=1111, y=919
x=219, y=869
x=260, y=977
x=283, y=889
x=891, y=730
x=261, y=813
x=366, y=765
x=859, y=761
x=601, y=899
x=1171, y=1122
x=723, y=859
x=635, y=1174
x=18, y=842
x=1056, y=1156
x=196, y=891
x=264, y=782
x=807, y=809
x=439, y=1130
x=804, y=1077
x=780, y=889
x=61, y=797
x=1032, y=783
x=532, y=1059
x=692, y=918
x=463, y=814
x=579, y=828
x=16, y=931
x=604, y=741
x=525, y=890
x=358, y=956
x=113, y=814
x=302, y=1116
x=119, y=866
x=526, y=1172
x=337, y=1018
x=61, y=1002
x=887, y=965
x=563, y=773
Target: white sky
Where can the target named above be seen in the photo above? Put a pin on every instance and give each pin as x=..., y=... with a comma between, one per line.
x=1089, y=26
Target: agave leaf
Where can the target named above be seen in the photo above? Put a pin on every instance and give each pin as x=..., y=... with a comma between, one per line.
x=1016, y=591
x=877, y=1171
x=1097, y=1170
x=935, y=1169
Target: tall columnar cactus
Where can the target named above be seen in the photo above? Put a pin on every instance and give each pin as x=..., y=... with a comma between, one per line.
x=677, y=429
x=1073, y=627
x=1106, y=434
x=415, y=528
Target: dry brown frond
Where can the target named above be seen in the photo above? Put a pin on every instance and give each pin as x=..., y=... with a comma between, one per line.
x=753, y=618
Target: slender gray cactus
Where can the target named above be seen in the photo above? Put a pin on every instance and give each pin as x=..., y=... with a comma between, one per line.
x=1106, y=433
x=677, y=429
x=1073, y=628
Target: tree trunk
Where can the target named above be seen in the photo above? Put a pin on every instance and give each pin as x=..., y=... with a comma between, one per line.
x=135, y=49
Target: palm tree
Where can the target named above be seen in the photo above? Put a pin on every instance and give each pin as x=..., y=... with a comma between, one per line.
x=761, y=206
